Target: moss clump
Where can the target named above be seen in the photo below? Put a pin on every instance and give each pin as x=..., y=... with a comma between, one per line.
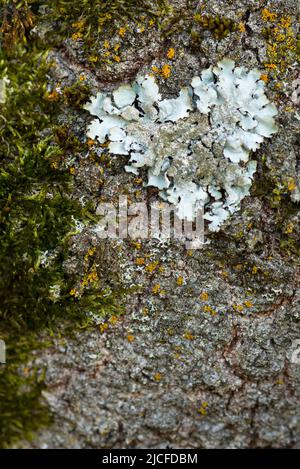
x=37, y=217
x=92, y=24
x=219, y=26
x=21, y=410
x=17, y=21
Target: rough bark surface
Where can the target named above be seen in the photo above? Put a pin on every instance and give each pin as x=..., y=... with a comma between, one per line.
x=204, y=356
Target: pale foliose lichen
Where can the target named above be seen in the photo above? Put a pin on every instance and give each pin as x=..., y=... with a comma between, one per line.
x=196, y=147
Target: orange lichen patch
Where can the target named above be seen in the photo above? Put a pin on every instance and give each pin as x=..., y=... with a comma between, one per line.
x=78, y=24
x=282, y=46
x=140, y=261
x=267, y=15
x=248, y=304
x=264, y=78
x=166, y=71
x=204, y=296
x=156, y=288
x=122, y=32
x=92, y=277
x=203, y=408
x=113, y=320
x=285, y=22
x=76, y=36
x=242, y=27
x=238, y=308
x=155, y=69
x=188, y=336
x=151, y=267
x=157, y=377
x=171, y=53
x=90, y=252
x=103, y=327
x=53, y=96
x=130, y=338
x=291, y=185
x=179, y=281
x=271, y=66
x=289, y=229
x=210, y=310
x=138, y=180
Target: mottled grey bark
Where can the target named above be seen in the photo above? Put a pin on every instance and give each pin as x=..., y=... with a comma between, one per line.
x=205, y=354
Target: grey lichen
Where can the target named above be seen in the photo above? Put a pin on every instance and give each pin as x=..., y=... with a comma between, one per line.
x=196, y=147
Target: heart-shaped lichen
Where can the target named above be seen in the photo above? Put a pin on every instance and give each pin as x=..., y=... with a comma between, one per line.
x=197, y=146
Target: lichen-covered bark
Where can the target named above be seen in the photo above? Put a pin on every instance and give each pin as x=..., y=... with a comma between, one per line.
x=204, y=355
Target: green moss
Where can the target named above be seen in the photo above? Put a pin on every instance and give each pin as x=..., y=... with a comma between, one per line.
x=219, y=26
x=37, y=213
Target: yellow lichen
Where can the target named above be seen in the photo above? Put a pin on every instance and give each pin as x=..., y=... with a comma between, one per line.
x=204, y=296
x=113, y=320
x=289, y=229
x=122, y=31
x=267, y=15
x=171, y=53
x=188, y=335
x=155, y=69
x=76, y=36
x=248, y=304
x=179, y=281
x=140, y=261
x=93, y=58
x=242, y=27
x=203, y=408
x=103, y=327
x=156, y=288
x=166, y=71
x=151, y=267
x=264, y=78
x=291, y=185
